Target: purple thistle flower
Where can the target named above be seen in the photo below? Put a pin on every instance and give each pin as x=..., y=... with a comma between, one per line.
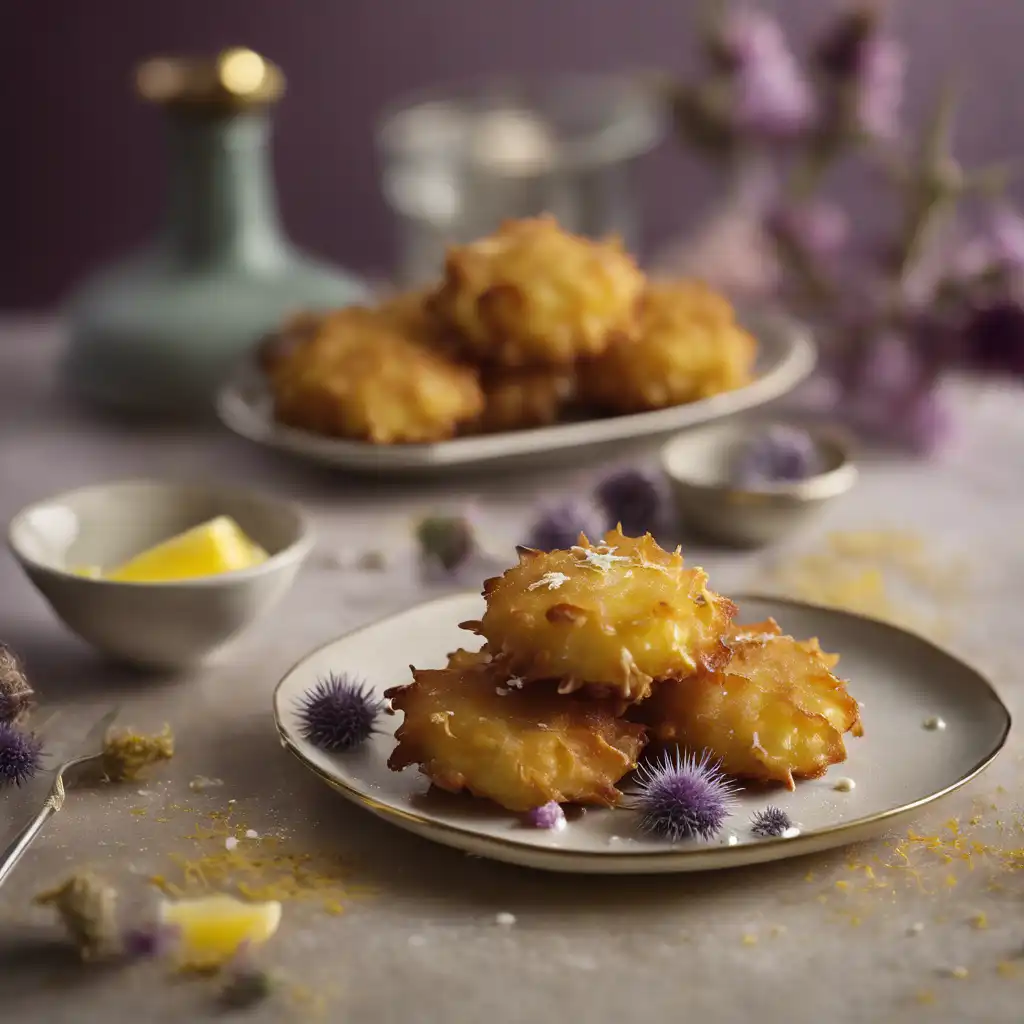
x=770, y=823
x=338, y=714
x=549, y=815
x=771, y=97
x=683, y=797
x=639, y=499
x=21, y=755
x=558, y=526
x=779, y=454
x=447, y=541
x=883, y=63
x=150, y=942
x=815, y=228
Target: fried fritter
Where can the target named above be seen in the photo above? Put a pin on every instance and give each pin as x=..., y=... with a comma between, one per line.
x=689, y=347
x=471, y=726
x=533, y=295
x=774, y=713
x=518, y=399
x=611, y=616
x=410, y=314
x=355, y=376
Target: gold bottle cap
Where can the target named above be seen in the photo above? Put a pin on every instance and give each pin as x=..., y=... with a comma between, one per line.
x=236, y=79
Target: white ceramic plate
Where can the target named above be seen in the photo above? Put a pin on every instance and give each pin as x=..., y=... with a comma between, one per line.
x=898, y=765
x=786, y=356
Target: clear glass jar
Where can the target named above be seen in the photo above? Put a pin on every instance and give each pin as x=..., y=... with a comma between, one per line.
x=457, y=162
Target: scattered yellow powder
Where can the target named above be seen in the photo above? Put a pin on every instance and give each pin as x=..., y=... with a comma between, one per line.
x=127, y=753
x=885, y=574
x=263, y=869
x=1005, y=969
x=959, y=973
x=979, y=921
x=925, y=997
x=749, y=939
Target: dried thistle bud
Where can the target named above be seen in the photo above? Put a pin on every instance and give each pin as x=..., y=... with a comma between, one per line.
x=448, y=541
x=246, y=987
x=86, y=906
x=16, y=694
x=127, y=753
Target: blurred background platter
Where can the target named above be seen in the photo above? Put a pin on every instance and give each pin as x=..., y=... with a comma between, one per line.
x=786, y=357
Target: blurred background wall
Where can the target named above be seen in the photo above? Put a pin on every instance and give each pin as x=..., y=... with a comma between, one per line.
x=81, y=172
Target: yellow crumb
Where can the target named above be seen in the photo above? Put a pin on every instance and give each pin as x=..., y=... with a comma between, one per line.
x=979, y=921
x=749, y=940
x=1005, y=969
x=959, y=973
x=926, y=997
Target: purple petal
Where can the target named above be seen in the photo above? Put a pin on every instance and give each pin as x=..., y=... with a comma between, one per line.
x=880, y=88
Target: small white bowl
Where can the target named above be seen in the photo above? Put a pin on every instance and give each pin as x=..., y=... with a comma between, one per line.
x=170, y=625
x=698, y=463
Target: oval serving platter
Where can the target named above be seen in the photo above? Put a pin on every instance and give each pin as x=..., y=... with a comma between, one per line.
x=898, y=765
x=786, y=357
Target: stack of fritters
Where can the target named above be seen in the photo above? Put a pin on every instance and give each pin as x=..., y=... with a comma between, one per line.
x=590, y=652
x=526, y=325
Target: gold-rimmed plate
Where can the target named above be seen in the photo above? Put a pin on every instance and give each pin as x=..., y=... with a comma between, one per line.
x=903, y=681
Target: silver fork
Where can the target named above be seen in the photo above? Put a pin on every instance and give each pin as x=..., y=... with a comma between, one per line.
x=91, y=749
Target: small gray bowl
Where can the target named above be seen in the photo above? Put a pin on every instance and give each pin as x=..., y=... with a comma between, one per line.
x=697, y=464
x=160, y=626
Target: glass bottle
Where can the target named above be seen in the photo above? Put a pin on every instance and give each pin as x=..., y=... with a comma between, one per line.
x=156, y=332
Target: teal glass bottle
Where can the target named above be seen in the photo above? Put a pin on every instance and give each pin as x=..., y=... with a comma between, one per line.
x=157, y=332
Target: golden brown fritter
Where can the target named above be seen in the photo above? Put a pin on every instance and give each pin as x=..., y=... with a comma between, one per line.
x=689, y=347
x=470, y=726
x=518, y=399
x=533, y=295
x=775, y=712
x=410, y=314
x=612, y=616
x=355, y=376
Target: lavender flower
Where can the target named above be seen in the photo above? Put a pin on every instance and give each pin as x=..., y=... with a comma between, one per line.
x=772, y=97
x=777, y=455
x=891, y=367
x=994, y=337
x=21, y=755
x=447, y=541
x=683, y=797
x=559, y=525
x=883, y=63
x=815, y=229
x=772, y=822
x=549, y=815
x=924, y=424
x=998, y=251
x=338, y=714
x=639, y=499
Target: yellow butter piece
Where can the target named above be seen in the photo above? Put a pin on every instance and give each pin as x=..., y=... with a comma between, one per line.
x=214, y=547
x=212, y=929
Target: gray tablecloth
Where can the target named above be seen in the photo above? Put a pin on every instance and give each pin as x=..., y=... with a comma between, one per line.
x=849, y=936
